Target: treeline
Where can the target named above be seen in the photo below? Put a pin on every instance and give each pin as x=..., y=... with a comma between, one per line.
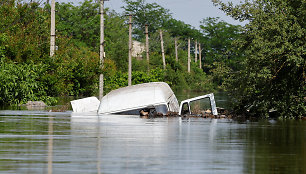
x=74, y=70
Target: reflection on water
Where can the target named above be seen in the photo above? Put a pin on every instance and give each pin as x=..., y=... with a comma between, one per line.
x=42, y=142
x=50, y=145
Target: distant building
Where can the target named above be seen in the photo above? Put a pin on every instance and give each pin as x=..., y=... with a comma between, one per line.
x=138, y=49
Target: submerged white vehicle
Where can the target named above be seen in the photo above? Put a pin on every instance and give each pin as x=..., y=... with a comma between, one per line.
x=154, y=97
x=132, y=99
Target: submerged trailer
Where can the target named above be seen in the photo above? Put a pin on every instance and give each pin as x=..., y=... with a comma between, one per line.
x=131, y=100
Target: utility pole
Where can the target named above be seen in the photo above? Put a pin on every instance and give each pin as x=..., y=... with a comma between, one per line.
x=130, y=51
x=52, y=38
x=101, y=79
x=196, y=51
x=176, y=47
x=189, y=55
x=147, y=44
x=162, y=48
x=200, y=55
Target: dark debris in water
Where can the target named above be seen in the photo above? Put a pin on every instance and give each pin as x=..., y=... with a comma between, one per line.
x=222, y=114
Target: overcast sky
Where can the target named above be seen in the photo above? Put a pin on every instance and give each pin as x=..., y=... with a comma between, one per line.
x=189, y=11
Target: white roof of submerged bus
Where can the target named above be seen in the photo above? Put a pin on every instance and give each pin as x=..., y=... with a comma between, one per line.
x=135, y=97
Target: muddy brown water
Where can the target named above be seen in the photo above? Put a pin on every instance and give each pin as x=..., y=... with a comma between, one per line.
x=61, y=142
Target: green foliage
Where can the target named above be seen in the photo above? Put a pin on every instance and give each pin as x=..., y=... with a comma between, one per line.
x=82, y=24
x=3, y=39
x=219, y=38
x=143, y=13
x=79, y=22
x=154, y=75
x=199, y=81
x=20, y=83
x=73, y=71
x=140, y=65
x=273, y=74
x=220, y=53
x=25, y=26
x=219, y=71
x=121, y=79
x=116, y=40
x=177, y=80
x=180, y=29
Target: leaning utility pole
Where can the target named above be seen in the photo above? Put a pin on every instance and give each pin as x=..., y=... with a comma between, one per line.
x=101, y=79
x=147, y=44
x=52, y=38
x=162, y=48
x=130, y=51
x=200, y=55
x=175, y=43
x=196, y=51
x=189, y=55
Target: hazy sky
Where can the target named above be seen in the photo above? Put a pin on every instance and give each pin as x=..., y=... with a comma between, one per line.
x=189, y=11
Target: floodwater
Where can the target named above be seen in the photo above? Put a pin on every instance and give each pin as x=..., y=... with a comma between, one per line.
x=64, y=143
x=43, y=142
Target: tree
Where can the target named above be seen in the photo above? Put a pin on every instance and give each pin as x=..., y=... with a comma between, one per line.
x=219, y=36
x=116, y=39
x=82, y=24
x=273, y=43
x=180, y=29
x=146, y=13
x=25, y=26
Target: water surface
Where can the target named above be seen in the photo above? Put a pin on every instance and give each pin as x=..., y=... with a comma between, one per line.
x=44, y=142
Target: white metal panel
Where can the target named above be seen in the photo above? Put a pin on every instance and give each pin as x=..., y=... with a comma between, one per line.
x=89, y=104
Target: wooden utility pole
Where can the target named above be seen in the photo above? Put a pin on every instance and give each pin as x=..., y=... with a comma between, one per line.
x=101, y=79
x=176, y=47
x=130, y=51
x=200, y=55
x=147, y=44
x=196, y=51
x=162, y=48
x=189, y=55
x=52, y=38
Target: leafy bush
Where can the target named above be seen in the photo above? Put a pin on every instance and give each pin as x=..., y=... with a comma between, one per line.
x=20, y=83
